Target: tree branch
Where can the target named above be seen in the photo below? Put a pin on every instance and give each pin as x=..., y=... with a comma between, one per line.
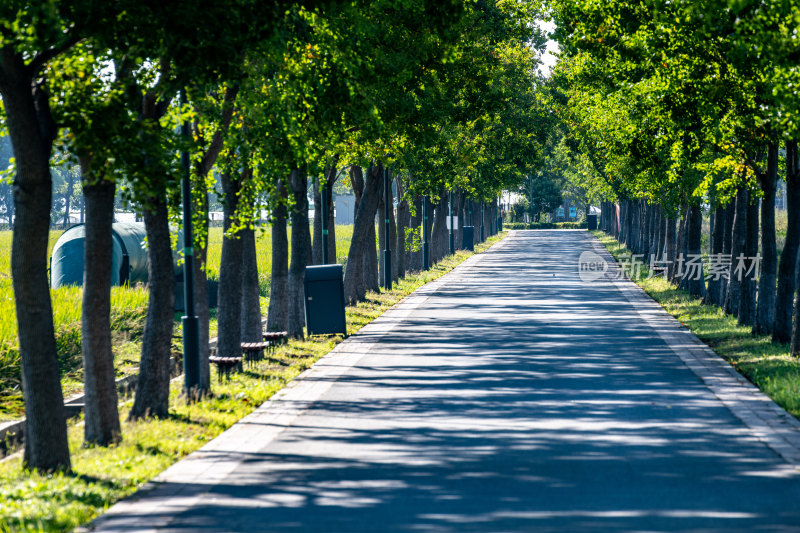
x=40, y=60
x=215, y=146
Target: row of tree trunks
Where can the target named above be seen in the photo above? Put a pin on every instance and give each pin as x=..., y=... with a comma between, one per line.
x=727, y=249
x=413, y=238
x=458, y=211
x=747, y=302
x=765, y=312
x=440, y=240
x=381, y=217
x=327, y=181
x=200, y=208
x=738, y=236
x=759, y=292
x=695, y=283
x=403, y=221
x=361, y=270
x=714, y=291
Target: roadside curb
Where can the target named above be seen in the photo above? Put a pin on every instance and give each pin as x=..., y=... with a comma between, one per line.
x=765, y=419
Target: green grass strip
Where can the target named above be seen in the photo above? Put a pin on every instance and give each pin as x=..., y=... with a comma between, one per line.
x=60, y=502
x=766, y=364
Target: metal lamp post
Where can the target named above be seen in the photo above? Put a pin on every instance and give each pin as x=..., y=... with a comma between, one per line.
x=190, y=322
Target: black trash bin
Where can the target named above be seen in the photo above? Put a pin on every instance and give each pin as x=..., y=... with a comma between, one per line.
x=499, y=224
x=324, y=298
x=591, y=222
x=468, y=240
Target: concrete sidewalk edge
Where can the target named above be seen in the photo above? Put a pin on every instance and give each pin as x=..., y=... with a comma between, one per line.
x=765, y=419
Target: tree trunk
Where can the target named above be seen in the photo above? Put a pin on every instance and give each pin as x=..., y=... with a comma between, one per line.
x=251, y=297
x=458, y=199
x=717, y=238
x=671, y=247
x=199, y=184
x=484, y=214
x=357, y=274
x=278, y=313
x=300, y=252
x=782, y=325
x=626, y=223
x=767, y=281
x=382, y=244
x=413, y=237
x=229, y=293
x=32, y=132
x=681, y=246
x=101, y=416
x=629, y=208
x=362, y=244
x=403, y=221
x=655, y=230
x=440, y=242
x=152, y=388
x=727, y=246
x=371, y=278
x=738, y=237
x=695, y=282
x=747, y=302
x=332, y=174
x=662, y=234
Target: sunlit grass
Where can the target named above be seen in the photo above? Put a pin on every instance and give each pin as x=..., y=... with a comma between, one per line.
x=264, y=252
x=101, y=476
x=768, y=365
x=129, y=306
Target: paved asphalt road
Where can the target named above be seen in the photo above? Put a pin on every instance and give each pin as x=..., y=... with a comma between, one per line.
x=507, y=396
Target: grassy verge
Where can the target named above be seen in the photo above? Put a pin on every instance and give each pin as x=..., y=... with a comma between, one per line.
x=129, y=308
x=766, y=364
x=101, y=476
